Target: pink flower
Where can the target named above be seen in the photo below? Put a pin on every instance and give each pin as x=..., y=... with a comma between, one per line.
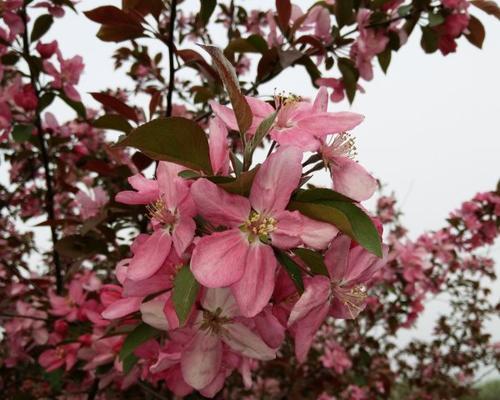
x=68, y=306
x=349, y=177
x=341, y=295
x=64, y=355
x=26, y=98
x=91, y=204
x=338, y=87
x=47, y=50
x=217, y=324
x=335, y=357
x=369, y=43
x=172, y=215
x=298, y=123
x=146, y=191
x=241, y=257
x=68, y=76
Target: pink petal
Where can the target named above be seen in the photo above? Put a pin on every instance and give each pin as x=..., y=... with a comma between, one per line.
x=316, y=293
x=254, y=289
x=328, y=122
x=317, y=234
x=305, y=330
x=219, y=260
x=150, y=256
x=152, y=312
x=337, y=257
x=288, y=229
x=321, y=102
x=352, y=180
x=275, y=181
x=217, y=206
x=269, y=328
x=245, y=342
x=225, y=114
x=183, y=234
x=218, y=146
x=201, y=360
x=173, y=189
x=122, y=307
x=259, y=108
x=161, y=280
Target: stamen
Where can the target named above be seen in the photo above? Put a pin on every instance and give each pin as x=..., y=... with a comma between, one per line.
x=158, y=211
x=343, y=144
x=353, y=298
x=259, y=226
x=214, y=322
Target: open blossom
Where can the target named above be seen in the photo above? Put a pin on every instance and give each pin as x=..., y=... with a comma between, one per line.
x=171, y=213
x=215, y=326
x=62, y=356
x=349, y=177
x=298, y=122
x=67, y=76
x=240, y=257
x=342, y=294
x=91, y=204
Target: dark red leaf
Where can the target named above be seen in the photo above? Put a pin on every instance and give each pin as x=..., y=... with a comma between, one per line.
x=116, y=105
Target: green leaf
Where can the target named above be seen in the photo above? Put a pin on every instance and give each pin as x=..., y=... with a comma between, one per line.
x=75, y=105
x=54, y=378
x=113, y=122
x=129, y=362
x=21, y=132
x=241, y=185
x=228, y=76
x=174, y=139
x=313, y=260
x=404, y=11
x=207, y=8
x=336, y=209
x=344, y=12
x=41, y=26
x=350, y=76
x=45, y=101
x=141, y=334
x=429, y=40
x=261, y=132
x=184, y=293
x=435, y=19
x=291, y=267
x=384, y=59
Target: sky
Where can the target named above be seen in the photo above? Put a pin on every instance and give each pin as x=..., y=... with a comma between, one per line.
x=431, y=132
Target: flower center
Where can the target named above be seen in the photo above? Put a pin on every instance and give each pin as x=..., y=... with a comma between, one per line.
x=60, y=352
x=259, y=226
x=213, y=322
x=343, y=145
x=159, y=212
x=353, y=298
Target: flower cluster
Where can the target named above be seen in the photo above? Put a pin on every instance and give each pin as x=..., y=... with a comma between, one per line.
x=237, y=249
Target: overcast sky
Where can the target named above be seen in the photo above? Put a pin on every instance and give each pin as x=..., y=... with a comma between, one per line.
x=431, y=131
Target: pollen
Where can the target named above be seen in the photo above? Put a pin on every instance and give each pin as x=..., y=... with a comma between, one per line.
x=285, y=100
x=259, y=226
x=158, y=211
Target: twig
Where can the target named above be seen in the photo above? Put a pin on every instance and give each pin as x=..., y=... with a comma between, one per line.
x=171, y=50
x=49, y=198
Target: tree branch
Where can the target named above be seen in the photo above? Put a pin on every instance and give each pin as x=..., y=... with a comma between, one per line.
x=171, y=50
x=49, y=198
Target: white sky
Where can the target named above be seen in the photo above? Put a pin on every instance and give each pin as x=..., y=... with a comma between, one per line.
x=431, y=131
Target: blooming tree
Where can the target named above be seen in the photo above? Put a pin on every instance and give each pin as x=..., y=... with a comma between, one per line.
x=195, y=256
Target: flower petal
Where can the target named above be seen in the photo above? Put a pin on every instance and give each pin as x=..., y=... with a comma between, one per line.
x=201, y=360
x=275, y=181
x=217, y=206
x=317, y=234
x=322, y=124
x=122, y=307
x=149, y=257
x=218, y=146
x=220, y=298
x=316, y=293
x=352, y=180
x=219, y=260
x=245, y=342
x=254, y=289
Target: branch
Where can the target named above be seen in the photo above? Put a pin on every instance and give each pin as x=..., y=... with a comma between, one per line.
x=49, y=198
x=171, y=51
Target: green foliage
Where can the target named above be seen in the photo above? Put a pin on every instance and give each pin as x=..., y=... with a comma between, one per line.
x=184, y=293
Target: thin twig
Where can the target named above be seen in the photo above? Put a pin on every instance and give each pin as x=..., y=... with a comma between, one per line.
x=49, y=198
x=171, y=51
